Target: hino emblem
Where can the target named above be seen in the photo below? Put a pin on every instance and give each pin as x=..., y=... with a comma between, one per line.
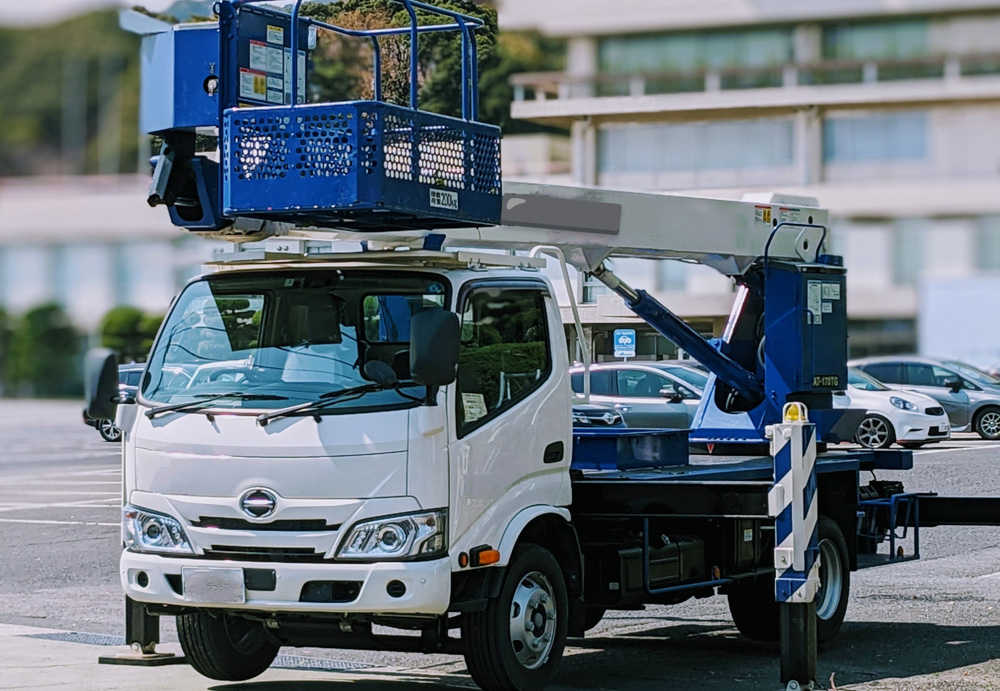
x=258, y=503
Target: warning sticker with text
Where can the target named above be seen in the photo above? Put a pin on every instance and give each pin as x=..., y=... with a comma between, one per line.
x=253, y=84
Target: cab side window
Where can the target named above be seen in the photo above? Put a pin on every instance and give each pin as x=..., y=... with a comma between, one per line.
x=504, y=354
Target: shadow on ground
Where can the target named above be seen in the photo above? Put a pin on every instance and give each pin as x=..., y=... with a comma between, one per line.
x=714, y=657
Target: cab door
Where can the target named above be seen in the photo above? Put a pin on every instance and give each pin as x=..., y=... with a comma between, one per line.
x=511, y=442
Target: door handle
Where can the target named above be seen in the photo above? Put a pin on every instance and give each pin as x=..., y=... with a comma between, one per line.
x=554, y=452
x=626, y=408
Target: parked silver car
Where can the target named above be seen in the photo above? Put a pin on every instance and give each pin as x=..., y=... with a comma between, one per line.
x=647, y=394
x=971, y=403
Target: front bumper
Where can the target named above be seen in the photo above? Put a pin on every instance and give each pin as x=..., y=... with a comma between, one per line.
x=918, y=427
x=428, y=584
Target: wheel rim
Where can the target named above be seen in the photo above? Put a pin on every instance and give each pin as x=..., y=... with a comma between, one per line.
x=990, y=424
x=831, y=582
x=533, y=620
x=873, y=432
x=109, y=429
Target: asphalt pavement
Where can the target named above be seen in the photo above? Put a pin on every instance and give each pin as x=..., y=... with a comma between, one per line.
x=932, y=624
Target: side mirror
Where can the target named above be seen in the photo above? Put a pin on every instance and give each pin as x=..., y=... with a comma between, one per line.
x=100, y=384
x=955, y=385
x=434, y=343
x=672, y=395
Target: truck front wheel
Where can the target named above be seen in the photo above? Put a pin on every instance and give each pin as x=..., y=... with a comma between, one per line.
x=517, y=642
x=224, y=647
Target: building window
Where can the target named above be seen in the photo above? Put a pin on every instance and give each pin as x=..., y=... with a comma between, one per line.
x=875, y=40
x=591, y=287
x=866, y=338
x=693, y=147
x=988, y=244
x=907, y=251
x=690, y=52
x=893, y=136
x=671, y=275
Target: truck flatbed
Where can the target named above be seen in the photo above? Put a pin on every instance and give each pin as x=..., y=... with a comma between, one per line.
x=708, y=485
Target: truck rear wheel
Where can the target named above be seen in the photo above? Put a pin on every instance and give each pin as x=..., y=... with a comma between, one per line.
x=517, y=642
x=755, y=612
x=224, y=647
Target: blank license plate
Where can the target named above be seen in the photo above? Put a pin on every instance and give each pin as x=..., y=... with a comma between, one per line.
x=216, y=586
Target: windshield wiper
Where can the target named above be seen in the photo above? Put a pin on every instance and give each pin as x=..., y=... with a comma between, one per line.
x=208, y=399
x=324, y=400
x=382, y=378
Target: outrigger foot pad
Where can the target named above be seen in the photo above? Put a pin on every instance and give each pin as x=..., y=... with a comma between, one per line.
x=143, y=657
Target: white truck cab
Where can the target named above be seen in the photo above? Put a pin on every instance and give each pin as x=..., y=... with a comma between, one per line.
x=296, y=483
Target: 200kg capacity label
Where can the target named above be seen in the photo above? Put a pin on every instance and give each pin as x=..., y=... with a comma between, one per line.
x=444, y=199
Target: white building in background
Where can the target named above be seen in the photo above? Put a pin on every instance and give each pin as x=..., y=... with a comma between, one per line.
x=886, y=111
x=90, y=244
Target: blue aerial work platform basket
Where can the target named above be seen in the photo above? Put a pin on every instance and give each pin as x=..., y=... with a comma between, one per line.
x=362, y=165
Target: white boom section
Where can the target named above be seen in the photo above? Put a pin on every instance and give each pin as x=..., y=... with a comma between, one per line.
x=590, y=224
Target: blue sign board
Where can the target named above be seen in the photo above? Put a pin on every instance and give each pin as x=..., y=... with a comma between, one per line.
x=624, y=342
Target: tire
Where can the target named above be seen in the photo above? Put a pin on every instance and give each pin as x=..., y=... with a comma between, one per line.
x=755, y=612
x=499, y=647
x=223, y=647
x=108, y=430
x=592, y=616
x=875, y=432
x=987, y=423
x=834, y=581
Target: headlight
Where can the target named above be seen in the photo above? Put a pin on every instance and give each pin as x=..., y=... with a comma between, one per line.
x=580, y=418
x=148, y=531
x=902, y=403
x=409, y=536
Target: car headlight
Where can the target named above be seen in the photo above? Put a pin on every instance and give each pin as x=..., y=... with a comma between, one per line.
x=581, y=419
x=148, y=531
x=902, y=403
x=415, y=535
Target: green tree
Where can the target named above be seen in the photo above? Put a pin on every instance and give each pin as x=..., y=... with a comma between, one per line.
x=37, y=81
x=343, y=66
x=129, y=332
x=6, y=373
x=45, y=354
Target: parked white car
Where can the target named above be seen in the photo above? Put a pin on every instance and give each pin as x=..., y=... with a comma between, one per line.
x=907, y=418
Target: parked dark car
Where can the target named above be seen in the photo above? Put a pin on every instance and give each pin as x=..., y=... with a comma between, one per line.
x=128, y=385
x=647, y=394
x=595, y=415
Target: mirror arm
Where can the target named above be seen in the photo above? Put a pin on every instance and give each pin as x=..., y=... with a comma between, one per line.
x=432, y=394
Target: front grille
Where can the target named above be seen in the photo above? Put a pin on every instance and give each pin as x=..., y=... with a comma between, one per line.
x=300, y=555
x=934, y=410
x=292, y=525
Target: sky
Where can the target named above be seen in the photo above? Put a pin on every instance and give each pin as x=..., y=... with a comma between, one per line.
x=27, y=12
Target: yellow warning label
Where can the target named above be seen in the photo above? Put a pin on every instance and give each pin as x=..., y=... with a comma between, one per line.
x=762, y=214
x=253, y=84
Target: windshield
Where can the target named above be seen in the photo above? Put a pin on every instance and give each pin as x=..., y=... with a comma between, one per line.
x=292, y=336
x=697, y=379
x=860, y=380
x=973, y=373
